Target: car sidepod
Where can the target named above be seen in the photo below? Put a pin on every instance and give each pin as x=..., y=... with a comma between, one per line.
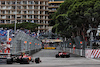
x=68, y=55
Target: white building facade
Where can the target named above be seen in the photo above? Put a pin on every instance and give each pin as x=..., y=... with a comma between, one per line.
x=35, y=11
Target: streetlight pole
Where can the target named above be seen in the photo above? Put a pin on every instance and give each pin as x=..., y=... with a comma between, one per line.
x=15, y=17
x=65, y=43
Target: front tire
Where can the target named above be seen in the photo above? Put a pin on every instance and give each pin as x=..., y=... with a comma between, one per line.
x=37, y=60
x=57, y=56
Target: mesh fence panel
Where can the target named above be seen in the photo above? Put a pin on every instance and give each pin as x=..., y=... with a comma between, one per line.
x=19, y=45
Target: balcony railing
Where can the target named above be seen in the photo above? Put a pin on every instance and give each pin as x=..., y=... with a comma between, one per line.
x=3, y=17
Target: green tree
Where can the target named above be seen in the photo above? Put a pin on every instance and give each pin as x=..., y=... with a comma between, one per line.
x=74, y=16
x=24, y=25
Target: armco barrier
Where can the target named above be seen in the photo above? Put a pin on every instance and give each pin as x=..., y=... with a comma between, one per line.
x=79, y=52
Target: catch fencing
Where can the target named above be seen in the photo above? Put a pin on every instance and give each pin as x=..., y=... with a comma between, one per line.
x=22, y=42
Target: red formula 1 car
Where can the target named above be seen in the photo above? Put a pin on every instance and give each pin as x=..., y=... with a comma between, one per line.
x=62, y=55
x=22, y=59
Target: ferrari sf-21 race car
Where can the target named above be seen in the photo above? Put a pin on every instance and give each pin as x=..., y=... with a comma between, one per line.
x=62, y=55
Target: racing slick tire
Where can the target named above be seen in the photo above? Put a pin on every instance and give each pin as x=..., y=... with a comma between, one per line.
x=9, y=61
x=57, y=56
x=37, y=60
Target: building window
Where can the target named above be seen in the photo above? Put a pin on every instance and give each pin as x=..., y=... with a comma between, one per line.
x=13, y=16
x=12, y=21
x=24, y=12
x=41, y=21
x=36, y=21
x=30, y=7
x=19, y=12
x=29, y=20
x=3, y=12
x=2, y=2
x=24, y=2
x=8, y=7
x=2, y=21
x=36, y=7
x=13, y=2
x=41, y=12
x=30, y=2
x=41, y=2
x=30, y=16
x=13, y=7
x=24, y=7
x=13, y=12
x=18, y=2
x=19, y=20
x=8, y=21
x=24, y=21
x=46, y=12
x=41, y=7
x=36, y=16
x=36, y=2
x=8, y=12
x=35, y=12
x=24, y=16
x=19, y=7
x=30, y=12
x=8, y=2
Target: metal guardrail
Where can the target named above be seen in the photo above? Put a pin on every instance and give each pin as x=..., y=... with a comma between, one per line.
x=77, y=48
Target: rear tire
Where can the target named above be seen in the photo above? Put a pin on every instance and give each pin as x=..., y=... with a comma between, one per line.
x=9, y=61
x=37, y=60
x=28, y=62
